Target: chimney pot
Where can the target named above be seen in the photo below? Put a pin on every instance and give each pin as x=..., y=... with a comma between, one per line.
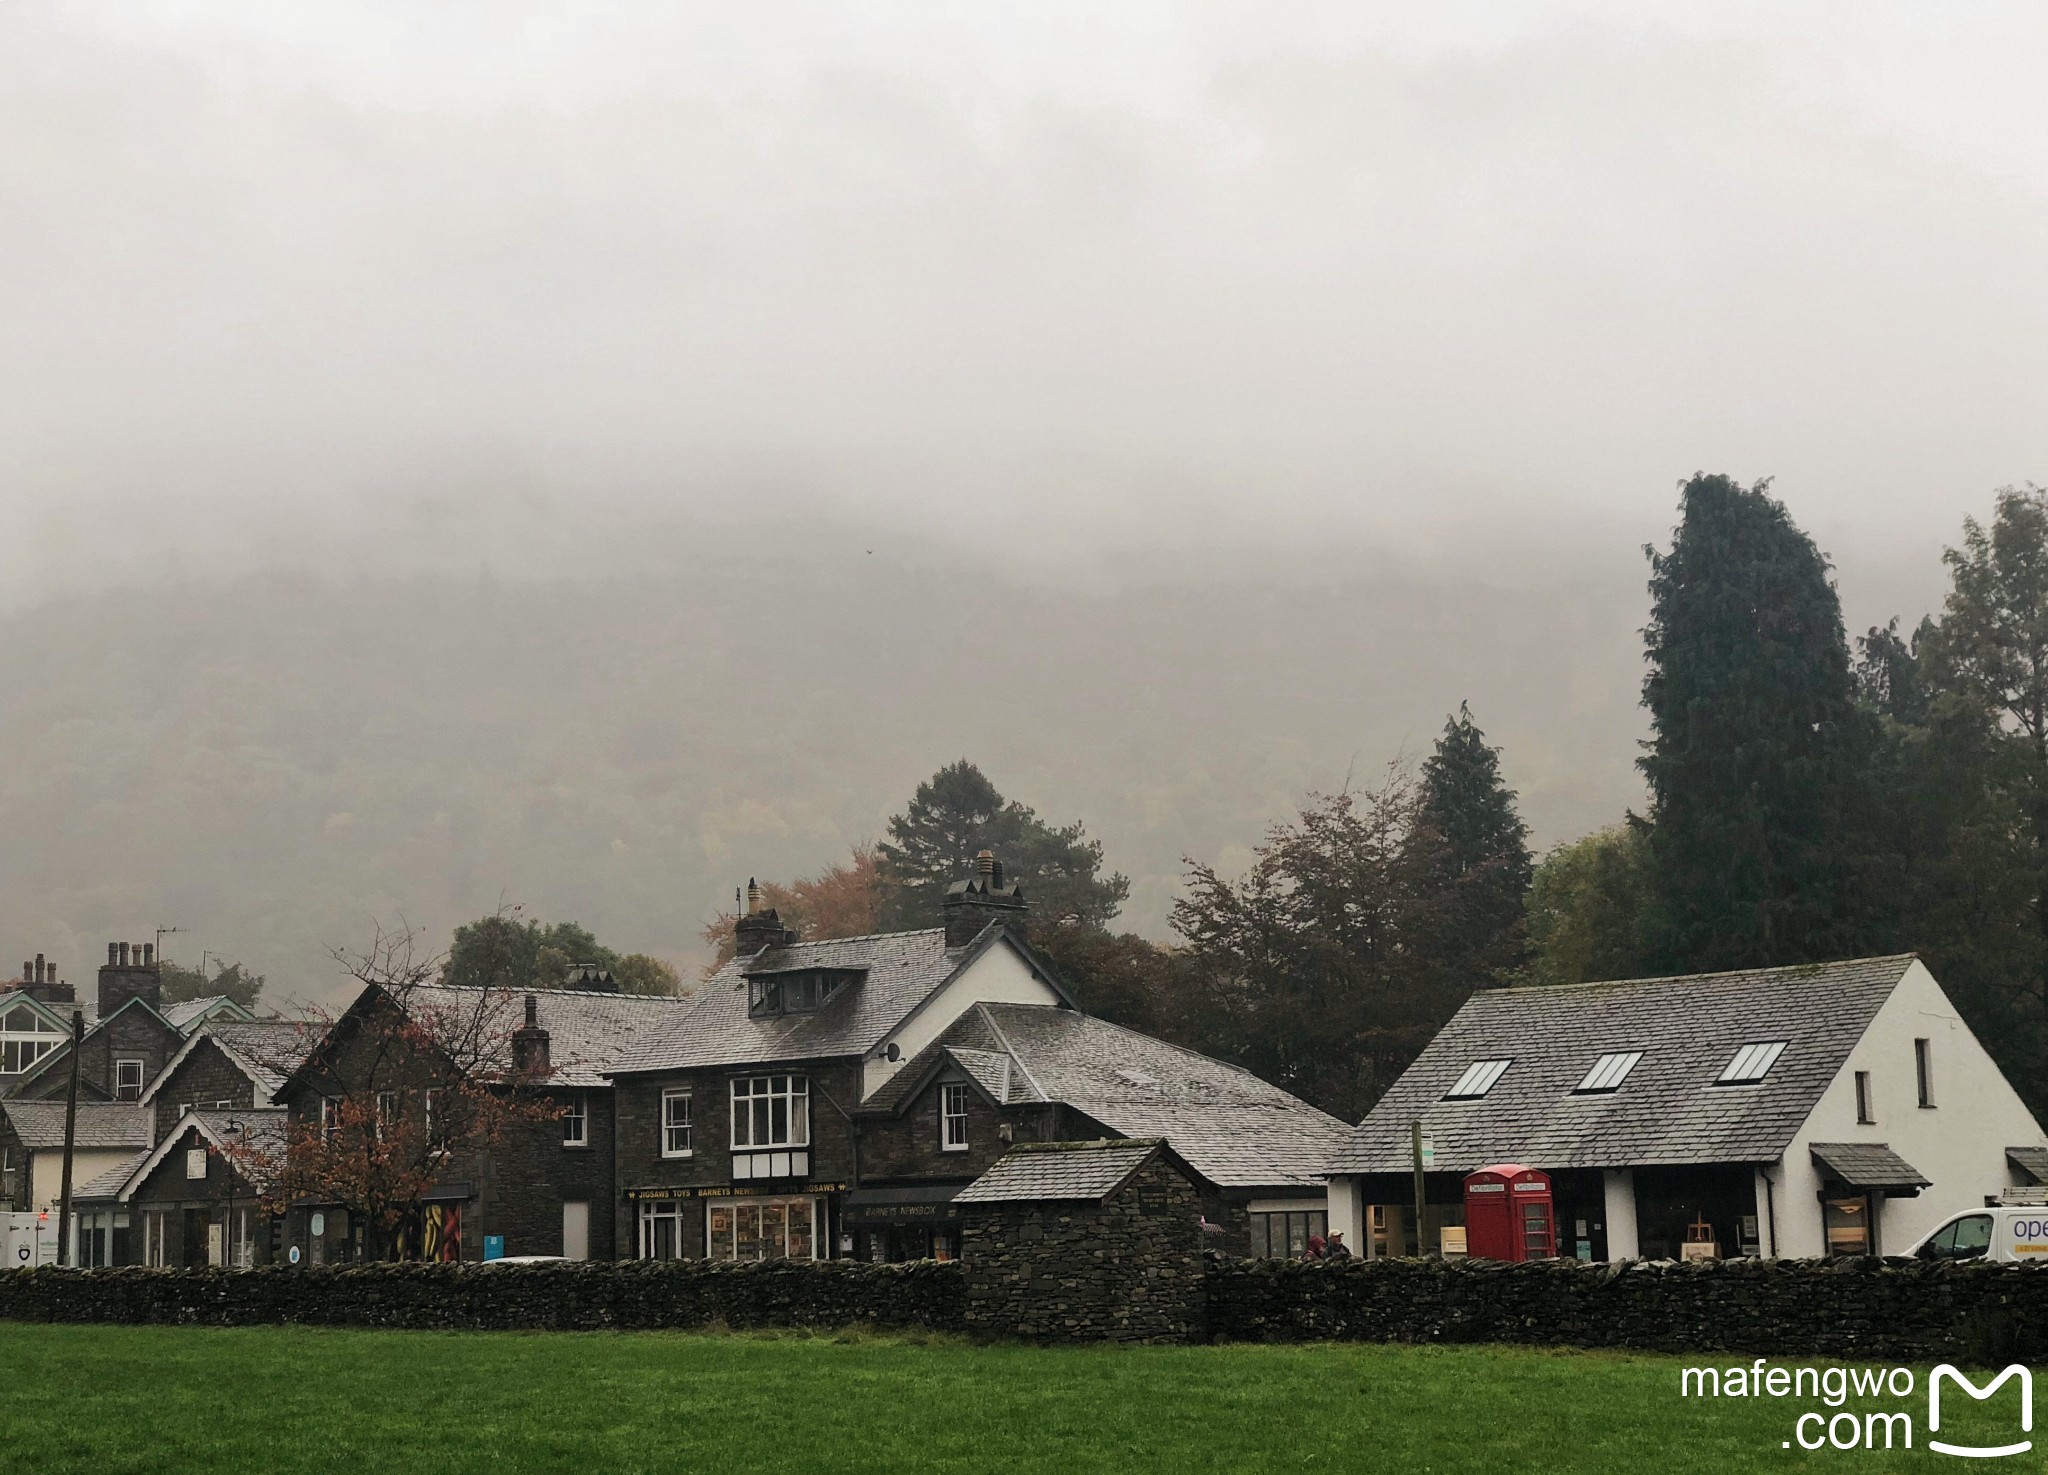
x=40, y=974
x=532, y=1012
x=986, y=862
x=28, y=972
x=148, y=954
x=113, y=954
x=123, y=961
x=753, y=897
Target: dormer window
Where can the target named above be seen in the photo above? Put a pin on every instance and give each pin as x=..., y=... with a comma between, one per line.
x=1607, y=1074
x=1477, y=1080
x=1751, y=1064
x=799, y=991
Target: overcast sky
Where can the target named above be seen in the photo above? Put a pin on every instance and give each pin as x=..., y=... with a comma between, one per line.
x=373, y=283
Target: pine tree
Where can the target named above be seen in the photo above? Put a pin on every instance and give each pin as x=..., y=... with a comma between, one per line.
x=954, y=816
x=1754, y=762
x=1476, y=850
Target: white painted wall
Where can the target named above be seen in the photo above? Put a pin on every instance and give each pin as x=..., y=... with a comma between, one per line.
x=1347, y=1214
x=998, y=976
x=46, y=1171
x=1959, y=1142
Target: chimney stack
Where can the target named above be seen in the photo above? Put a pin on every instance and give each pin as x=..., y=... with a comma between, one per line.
x=530, y=1043
x=131, y=973
x=39, y=981
x=760, y=928
x=983, y=898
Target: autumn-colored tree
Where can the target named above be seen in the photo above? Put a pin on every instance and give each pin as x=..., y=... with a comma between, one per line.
x=406, y=1083
x=840, y=901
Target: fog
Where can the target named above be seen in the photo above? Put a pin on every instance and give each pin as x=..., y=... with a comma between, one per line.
x=1402, y=325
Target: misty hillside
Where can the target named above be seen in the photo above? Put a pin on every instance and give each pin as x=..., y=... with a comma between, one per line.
x=270, y=762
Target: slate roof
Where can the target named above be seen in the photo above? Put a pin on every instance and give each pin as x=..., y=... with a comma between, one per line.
x=1234, y=1129
x=191, y=1011
x=1868, y=1165
x=2033, y=1161
x=1668, y=1109
x=267, y=1051
x=264, y=1126
x=111, y=1182
x=40, y=1124
x=901, y=971
x=1036, y=1171
x=587, y=1030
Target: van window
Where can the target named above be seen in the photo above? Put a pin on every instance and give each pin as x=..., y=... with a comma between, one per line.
x=1966, y=1239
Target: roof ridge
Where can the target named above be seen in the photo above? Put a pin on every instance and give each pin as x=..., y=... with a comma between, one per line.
x=855, y=937
x=1535, y=988
x=523, y=989
x=1011, y=1050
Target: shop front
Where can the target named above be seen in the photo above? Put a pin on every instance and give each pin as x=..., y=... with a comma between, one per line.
x=728, y=1224
x=893, y=1225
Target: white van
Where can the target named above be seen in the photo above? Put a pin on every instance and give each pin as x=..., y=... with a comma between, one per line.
x=2001, y=1232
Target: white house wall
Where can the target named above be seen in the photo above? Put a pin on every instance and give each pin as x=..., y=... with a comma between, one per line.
x=1959, y=1142
x=998, y=976
x=46, y=1171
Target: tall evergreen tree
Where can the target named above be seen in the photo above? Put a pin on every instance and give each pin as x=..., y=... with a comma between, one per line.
x=1755, y=760
x=954, y=816
x=1475, y=850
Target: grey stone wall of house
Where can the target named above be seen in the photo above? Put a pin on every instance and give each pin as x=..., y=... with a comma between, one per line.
x=203, y=1079
x=525, y=1180
x=908, y=1149
x=133, y=1035
x=645, y=1172
x=1126, y=1269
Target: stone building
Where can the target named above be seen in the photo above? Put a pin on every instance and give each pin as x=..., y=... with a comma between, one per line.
x=1839, y=1108
x=1086, y=1241
x=186, y=1202
x=737, y=1126
x=550, y=1187
x=227, y=1064
x=127, y=1037
x=1003, y=1074
x=110, y=1136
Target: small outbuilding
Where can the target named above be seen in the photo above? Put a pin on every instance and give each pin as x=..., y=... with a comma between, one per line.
x=1072, y=1241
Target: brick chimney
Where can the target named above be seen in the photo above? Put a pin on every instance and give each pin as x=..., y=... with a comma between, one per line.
x=981, y=899
x=39, y=982
x=530, y=1043
x=131, y=972
x=758, y=927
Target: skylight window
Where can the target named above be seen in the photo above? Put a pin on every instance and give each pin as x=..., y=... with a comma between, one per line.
x=1751, y=1064
x=1607, y=1074
x=1477, y=1080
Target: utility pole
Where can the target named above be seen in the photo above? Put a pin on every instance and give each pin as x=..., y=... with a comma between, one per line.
x=64, y=1256
x=1421, y=1193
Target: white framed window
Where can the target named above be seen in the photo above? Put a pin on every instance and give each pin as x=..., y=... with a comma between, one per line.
x=1478, y=1079
x=184, y=1108
x=675, y=1124
x=661, y=1230
x=1751, y=1064
x=575, y=1122
x=25, y=1038
x=953, y=1118
x=387, y=1111
x=429, y=1100
x=330, y=1117
x=1607, y=1074
x=771, y=1111
x=153, y=1237
x=128, y=1080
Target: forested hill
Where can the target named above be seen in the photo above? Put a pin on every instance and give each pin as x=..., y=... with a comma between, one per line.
x=270, y=761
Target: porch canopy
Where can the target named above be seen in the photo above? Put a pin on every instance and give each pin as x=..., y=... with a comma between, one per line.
x=1871, y=1166
x=2033, y=1161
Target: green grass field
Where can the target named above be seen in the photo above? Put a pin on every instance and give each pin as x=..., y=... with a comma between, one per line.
x=117, y=1399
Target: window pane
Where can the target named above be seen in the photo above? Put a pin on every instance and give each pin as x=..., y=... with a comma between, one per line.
x=747, y=1231
x=800, y=1230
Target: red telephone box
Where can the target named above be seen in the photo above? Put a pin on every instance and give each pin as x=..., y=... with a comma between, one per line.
x=1509, y=1214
